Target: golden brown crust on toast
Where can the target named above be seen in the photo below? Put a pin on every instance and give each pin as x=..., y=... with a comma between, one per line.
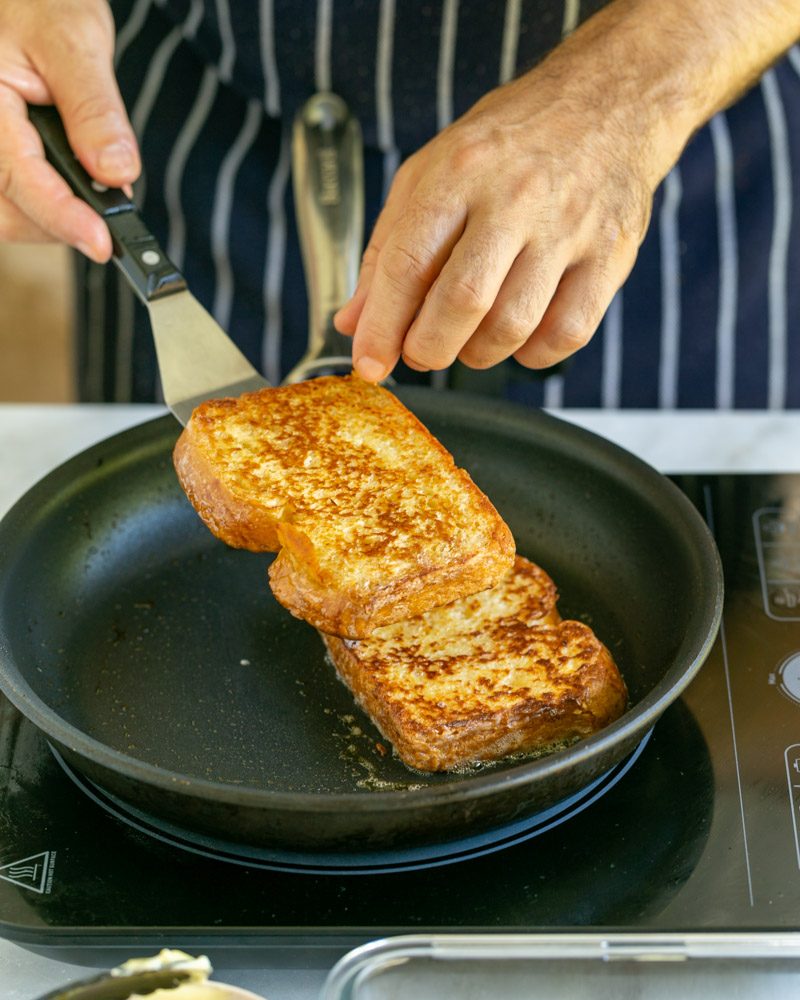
x=373, y=520
x=490, y=675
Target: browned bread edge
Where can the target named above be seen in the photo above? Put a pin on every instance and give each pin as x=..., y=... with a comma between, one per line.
x=447, y=736
x=240, y=524
x=352, y=616
x=294, y=576
x=490, y=735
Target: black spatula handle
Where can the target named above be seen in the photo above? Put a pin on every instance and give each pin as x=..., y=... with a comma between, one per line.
x=136, y=251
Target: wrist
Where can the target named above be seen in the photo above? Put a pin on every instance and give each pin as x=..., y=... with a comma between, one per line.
x=646, y=74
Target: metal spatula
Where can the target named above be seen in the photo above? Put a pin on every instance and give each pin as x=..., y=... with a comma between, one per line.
x=196, y=358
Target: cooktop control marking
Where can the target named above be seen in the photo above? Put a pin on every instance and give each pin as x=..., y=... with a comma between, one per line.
x=723, y=640
x=787, y=677
x=792, y=758
x=778, y=549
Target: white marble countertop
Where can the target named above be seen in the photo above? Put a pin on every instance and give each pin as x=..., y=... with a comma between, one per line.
x=35, y=438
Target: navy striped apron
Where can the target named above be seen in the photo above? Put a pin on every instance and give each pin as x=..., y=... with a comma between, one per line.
x=708, y=318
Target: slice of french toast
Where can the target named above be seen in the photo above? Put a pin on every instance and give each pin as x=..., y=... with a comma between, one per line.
x=490, y=675
x=373, y=520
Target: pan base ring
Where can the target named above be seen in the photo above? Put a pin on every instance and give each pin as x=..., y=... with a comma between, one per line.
x=402, y=859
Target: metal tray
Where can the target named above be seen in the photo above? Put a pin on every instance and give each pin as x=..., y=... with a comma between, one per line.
x=561, y=966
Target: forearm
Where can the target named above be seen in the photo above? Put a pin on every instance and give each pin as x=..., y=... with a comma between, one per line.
x=662, y=68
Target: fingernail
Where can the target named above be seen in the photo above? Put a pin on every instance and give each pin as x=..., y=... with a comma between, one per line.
x=116, y=158
x=87, y=251
x=370, y=369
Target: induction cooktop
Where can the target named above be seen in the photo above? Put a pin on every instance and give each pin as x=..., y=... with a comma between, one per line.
x=699, y=829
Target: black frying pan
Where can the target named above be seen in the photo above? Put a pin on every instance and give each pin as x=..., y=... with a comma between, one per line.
x=157, y=662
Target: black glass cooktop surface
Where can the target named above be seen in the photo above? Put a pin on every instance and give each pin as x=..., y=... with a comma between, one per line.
x=699, y=831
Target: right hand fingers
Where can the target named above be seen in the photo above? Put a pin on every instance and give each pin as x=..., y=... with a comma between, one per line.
x=405, y=180
x=413, y=238
x=62, y=52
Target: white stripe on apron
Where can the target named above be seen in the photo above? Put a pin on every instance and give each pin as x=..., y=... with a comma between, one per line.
x=383, y=93
x=781, y=231
x=554, y=384
x=140, y=116
x=269, y=63
x=794, y=58
x=274, y=266
x=159, y=64
x=612, y=354
x=221, y=213
x=176, y=243
x=97, y=308
x=228, y=55
x=510, y=44
x=444, y=102
x=131, y=28
x=151, y=88
x=125, y=312
x=670, y=291
x=554, y=391
x=444, y=74
x=572, y=14
x=728, y=261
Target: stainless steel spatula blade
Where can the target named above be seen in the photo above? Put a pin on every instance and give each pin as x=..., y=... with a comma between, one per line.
x=196, y=358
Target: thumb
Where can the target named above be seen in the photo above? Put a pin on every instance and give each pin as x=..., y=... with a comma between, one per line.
x=84, y=88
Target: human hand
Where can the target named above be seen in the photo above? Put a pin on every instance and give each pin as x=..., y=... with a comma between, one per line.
x=510, y=231
x=507, y=234
x=60, y=52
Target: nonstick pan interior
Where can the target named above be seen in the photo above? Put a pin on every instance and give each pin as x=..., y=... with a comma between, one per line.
x=157, y=660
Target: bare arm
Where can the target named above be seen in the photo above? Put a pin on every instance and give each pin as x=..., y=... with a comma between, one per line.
x=510, y=232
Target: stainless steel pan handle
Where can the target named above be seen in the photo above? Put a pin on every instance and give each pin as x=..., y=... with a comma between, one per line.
x=328, y=176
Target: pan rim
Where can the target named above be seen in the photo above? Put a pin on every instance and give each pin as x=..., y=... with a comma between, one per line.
x=636, y=720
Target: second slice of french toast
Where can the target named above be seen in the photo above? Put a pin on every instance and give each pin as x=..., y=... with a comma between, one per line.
x=372, y=520
x=488, y=676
